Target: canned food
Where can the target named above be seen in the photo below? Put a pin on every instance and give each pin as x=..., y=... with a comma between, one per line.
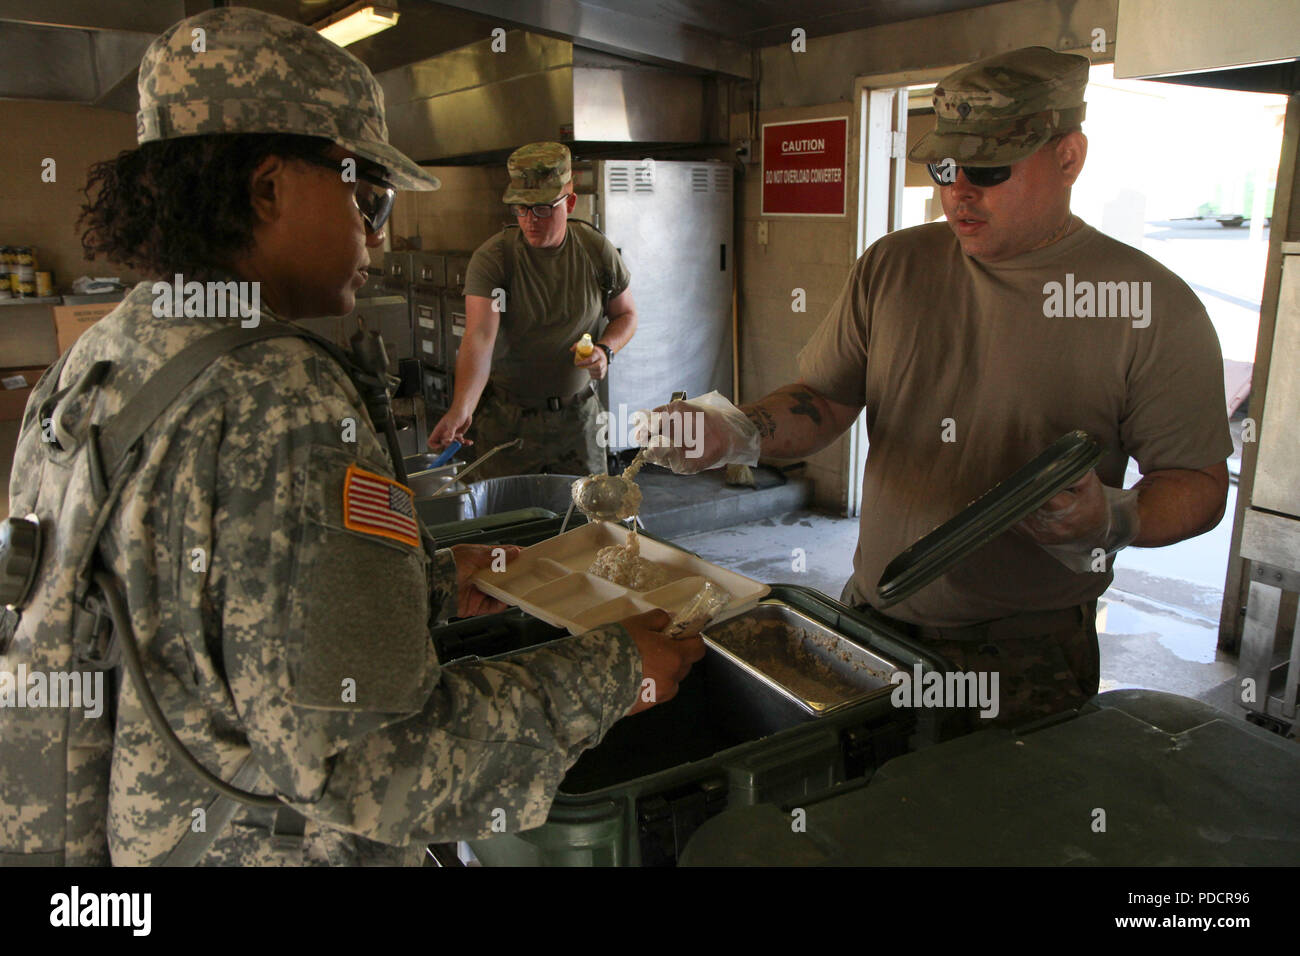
x=23, y=279
x=44, y=284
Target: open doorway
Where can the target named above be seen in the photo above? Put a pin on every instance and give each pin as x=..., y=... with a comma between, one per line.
x=1185, y=174
x=882, y=173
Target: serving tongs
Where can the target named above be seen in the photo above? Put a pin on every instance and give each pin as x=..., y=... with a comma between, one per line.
x=474, y=464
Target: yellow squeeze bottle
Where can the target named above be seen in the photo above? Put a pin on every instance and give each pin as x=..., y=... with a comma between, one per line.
x=584, y=347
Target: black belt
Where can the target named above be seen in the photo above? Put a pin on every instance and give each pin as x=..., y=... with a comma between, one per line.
x=1018, y=625
x=552, y=403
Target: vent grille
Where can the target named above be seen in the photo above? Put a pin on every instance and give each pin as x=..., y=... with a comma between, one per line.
x=620, y=180
x=643, y=178
x=722, y=179
x=699, y=179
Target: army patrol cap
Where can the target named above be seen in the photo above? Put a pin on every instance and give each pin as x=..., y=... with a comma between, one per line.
x=253, y=72
x=538, y=173
x=1001, y=109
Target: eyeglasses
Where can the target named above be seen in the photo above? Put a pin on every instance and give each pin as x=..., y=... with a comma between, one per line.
x=982, y=177
x=374, y=195
x=540, y=211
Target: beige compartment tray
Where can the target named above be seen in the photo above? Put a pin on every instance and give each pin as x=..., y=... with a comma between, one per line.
x=550, y=581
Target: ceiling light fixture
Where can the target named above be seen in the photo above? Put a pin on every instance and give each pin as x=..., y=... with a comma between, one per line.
x=357, y=21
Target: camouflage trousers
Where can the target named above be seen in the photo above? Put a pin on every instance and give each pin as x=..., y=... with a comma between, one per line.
x=562, y=442
x=1046, y=662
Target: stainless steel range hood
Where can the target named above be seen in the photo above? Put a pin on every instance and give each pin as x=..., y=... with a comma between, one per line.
x=477, y=102
x=78, y=51
x=1243, y=45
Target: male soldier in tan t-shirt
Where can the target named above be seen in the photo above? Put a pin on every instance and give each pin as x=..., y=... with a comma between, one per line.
x=559, y=279
x=973, y=344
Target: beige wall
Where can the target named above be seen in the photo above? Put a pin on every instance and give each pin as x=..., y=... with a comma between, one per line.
x=460, y=215
x=812, y=254
x=44, y=215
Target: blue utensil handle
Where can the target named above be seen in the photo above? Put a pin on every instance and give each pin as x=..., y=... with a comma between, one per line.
x=446, y=455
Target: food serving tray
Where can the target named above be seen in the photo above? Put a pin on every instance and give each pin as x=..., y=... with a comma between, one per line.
x=550, y=581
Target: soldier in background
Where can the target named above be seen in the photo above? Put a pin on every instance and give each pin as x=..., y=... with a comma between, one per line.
x=296, y=657
x=560, y=278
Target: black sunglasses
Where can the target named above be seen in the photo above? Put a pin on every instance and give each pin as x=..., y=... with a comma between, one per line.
x=540, y=211
x=374, y=195
x=982, y=177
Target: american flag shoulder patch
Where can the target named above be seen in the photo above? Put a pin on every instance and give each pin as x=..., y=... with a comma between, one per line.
x=373, y=504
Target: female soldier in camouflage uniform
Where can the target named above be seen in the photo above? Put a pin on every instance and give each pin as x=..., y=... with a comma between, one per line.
x=274, y=574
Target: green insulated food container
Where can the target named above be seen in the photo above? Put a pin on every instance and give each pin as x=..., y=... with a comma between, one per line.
x=734, y=736
x=1134, y=778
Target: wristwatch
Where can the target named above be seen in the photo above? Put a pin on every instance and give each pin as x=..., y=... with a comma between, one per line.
x=609, y=352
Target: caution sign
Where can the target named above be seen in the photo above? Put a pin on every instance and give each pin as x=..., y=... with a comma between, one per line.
x=804, y=165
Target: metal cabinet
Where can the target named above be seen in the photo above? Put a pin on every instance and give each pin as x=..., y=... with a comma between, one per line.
x=672, y=223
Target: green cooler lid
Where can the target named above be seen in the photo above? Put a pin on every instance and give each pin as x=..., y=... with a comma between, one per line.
x=1181, y=784
x=1063, y=463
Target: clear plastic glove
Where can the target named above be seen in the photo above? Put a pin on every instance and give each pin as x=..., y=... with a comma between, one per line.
x=700, y=433
x=1085, y=523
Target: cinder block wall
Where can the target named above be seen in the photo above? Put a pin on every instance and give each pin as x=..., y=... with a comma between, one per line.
x=812, y=254
x=44, y=214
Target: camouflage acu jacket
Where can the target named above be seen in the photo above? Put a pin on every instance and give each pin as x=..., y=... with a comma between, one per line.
x=273, y=623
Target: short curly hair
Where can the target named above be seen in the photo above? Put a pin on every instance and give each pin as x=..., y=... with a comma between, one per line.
x=181, y=205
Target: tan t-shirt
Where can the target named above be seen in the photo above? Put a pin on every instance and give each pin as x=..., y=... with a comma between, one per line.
x=557, y=295
x=939, y=345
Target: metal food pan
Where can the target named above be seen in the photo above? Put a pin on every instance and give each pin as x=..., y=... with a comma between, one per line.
x=423, y=461
x=719, y=705
x=816, y=667
x=424, y=481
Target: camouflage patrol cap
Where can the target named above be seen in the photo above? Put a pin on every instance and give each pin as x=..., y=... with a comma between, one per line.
x=252, y=72
x=1003, y=108
x=538, y=173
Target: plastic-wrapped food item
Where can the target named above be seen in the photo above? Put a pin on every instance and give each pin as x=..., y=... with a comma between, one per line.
x=699, y=610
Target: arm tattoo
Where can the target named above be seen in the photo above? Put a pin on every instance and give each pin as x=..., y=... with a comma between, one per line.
x=803, y=405
x=762, y=420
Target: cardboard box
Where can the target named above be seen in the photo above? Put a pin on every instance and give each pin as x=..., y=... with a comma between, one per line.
x=71, y=320
x=27, y=338
x=16, y=386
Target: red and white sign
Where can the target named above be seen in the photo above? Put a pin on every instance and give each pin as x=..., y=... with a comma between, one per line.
x=804, y=166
